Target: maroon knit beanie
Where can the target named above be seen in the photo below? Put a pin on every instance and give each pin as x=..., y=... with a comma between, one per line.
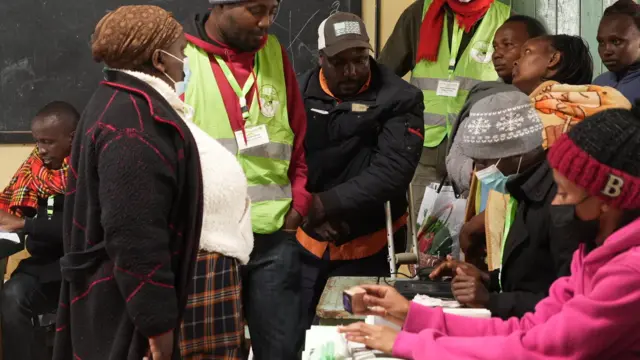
x=602, y=155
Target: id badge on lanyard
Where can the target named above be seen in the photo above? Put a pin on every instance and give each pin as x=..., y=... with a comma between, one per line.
x=450, y=87
x=50, y=205
x=247, y=137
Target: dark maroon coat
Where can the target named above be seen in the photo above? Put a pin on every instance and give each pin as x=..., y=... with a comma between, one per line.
x=132, y=223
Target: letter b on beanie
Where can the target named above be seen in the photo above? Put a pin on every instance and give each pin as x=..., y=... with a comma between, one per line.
x=613, y=188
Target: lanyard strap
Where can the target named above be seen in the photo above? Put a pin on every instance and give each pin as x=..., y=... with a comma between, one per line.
x=456, y=40
x=512, y=207
x=240, y=92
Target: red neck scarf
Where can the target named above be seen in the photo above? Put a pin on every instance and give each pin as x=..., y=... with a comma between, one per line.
x=466, y=13
x=31, y=182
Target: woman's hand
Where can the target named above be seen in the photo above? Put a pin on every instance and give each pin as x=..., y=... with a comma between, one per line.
x=161, y=347
x=386, y=302
x=374, y=337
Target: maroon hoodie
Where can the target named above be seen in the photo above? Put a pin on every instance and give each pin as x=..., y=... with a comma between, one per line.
x=241, y=64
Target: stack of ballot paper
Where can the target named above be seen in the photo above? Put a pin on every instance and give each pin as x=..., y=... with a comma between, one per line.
x=324, y=342
x=451, y=307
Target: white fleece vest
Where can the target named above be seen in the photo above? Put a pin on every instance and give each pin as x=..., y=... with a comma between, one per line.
x=226, y=221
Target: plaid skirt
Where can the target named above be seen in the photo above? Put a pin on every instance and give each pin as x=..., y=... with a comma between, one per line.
x=213, y=325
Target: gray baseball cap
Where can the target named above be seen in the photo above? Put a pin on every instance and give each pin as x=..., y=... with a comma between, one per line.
x=342, y=31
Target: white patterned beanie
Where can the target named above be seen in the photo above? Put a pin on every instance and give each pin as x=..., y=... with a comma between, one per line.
x=500, y=126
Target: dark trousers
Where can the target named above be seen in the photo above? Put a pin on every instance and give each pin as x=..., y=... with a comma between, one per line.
x=316, y=272
x=271, y=295
x=23, y=298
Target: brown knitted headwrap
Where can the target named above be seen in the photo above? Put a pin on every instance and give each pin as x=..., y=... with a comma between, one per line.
x=127, y=37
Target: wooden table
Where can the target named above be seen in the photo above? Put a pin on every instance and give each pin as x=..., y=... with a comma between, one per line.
x=330, y=310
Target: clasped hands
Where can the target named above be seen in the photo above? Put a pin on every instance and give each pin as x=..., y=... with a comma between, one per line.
x=469, y=285
x=318, y=221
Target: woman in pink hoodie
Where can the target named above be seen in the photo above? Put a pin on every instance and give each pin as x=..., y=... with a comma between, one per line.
x=592, y=314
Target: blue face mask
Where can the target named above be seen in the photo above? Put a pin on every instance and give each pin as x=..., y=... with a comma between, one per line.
x=186, y=69
x=180, y=86
x=484, y=196
x=494, y=179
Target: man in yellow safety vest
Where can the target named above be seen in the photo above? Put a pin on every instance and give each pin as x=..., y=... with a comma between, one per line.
x=245, y=94
x=446, y=44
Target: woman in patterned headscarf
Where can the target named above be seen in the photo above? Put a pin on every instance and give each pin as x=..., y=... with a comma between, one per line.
x=133, y=211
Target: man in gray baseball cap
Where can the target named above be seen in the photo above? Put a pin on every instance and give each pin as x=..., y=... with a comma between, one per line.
x=343, y=37
x=364, y=138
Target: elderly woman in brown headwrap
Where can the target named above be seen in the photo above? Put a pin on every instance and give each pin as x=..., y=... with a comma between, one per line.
x=134, y=206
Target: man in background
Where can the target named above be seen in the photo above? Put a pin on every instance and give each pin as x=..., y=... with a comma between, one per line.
x=32, y=206
x=363, y=145
x=507, y=43
x=446, y=44
x=245, y=95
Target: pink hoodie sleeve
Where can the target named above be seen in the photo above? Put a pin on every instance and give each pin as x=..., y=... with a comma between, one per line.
x=298, y=169
x=561, y=328
x=421, y=317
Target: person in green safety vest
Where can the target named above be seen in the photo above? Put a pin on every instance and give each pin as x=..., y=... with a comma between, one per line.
x=245, y=94
x=447, y=46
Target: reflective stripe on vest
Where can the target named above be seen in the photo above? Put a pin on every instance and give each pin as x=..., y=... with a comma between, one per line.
x=359, y=248
x=271, y=150
x=474, y=67
x=266, y=166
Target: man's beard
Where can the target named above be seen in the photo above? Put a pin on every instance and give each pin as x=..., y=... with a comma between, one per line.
x=236, y=42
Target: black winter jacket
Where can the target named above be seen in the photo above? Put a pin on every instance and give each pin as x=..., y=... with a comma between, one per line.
x=43, y=240
x=536, y=253
x=363, y=151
